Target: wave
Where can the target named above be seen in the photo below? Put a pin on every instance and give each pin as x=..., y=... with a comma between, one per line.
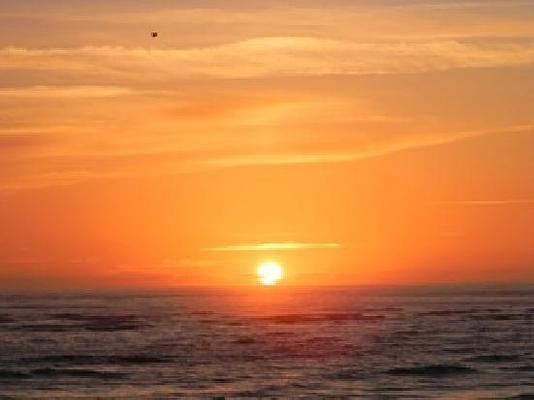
x=7, y=374
x=322, y=340
x=103, y=322
x=521, y=368
x=435, y=370
x=202, y=312
x=245, y=340
x=76, y=373
x=5, y=319
x=235, y=323
x=499, y=317
x=462, y=350
x=97, y=360
x=445, y=313
x=331, y=317
x=97, y=323
x=383, y=309
x=45, y=328
x=348, y=374
x=494, y=358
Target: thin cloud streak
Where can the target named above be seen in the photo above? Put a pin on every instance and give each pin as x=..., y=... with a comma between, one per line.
x=276, y=246
x=486, y=202
x=134, y=166
x=406, y=144
x=66, y=92
x=271, y=57
x=444, y=5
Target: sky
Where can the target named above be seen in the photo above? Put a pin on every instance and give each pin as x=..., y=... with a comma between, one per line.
x=354, y=142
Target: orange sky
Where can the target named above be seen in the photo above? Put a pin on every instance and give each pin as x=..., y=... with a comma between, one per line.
x=355, y=142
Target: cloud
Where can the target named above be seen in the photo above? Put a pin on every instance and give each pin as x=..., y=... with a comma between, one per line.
x=276, y=246
x=270, y=57
x=483, y=203
x=75, y=167
x=444, y=5
x=403, y=142
x=172, y=264
x=67, y=92
x=18, y=141
x=45, y=180
x=175, y=125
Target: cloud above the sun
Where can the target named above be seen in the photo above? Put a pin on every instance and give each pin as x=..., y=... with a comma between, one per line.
x=239, y=84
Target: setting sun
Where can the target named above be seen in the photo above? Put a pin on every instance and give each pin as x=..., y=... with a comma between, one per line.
x=269, y=273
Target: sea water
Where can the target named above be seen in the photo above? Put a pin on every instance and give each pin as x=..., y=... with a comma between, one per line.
x=440, y=342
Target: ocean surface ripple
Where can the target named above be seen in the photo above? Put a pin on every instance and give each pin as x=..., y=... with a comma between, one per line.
x=384, y=343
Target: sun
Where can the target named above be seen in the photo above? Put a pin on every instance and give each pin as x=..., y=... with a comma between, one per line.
x=269, y=273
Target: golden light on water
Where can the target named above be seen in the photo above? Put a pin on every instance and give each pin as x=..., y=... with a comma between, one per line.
x=270, y=273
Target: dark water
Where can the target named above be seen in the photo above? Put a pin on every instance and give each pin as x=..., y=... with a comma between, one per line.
x=450, y=343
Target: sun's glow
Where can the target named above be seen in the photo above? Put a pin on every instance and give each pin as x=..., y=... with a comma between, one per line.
x=269, y=273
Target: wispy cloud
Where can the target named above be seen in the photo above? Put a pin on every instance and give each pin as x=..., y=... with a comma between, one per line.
x=482, y=203
x=402, y=143
x=75, y=167
x=67, y=92
x=364, y=18
x=276, y=246
x=45, y=180
x=272, y=56
x=444, y=5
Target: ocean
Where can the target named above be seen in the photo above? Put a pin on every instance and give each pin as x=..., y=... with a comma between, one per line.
x=435, y=342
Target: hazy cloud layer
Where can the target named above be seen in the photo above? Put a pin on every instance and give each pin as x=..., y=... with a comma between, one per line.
x=271, y=57
x=234, y=84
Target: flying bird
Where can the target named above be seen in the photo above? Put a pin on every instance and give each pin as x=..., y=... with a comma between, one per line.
x=154, y=34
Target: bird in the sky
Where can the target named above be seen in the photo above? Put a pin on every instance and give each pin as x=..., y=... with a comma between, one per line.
x=154, y=34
